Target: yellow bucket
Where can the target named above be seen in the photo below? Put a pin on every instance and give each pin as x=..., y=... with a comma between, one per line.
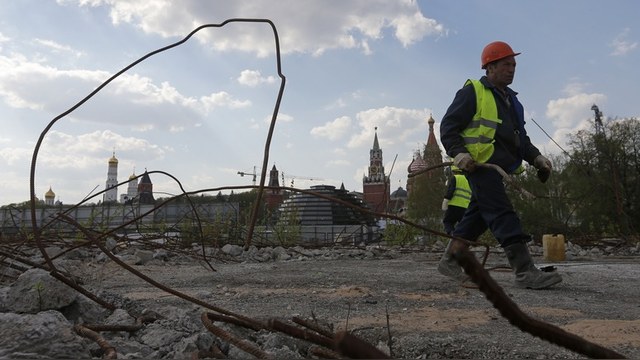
x=553, y=247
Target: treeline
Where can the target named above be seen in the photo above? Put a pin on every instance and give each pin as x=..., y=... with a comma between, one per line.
x=594, y=191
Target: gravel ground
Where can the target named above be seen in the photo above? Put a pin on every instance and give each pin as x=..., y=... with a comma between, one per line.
x=428, y=316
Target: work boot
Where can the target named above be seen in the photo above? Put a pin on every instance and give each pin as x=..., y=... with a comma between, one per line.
x=527, y=274
x=448, y=266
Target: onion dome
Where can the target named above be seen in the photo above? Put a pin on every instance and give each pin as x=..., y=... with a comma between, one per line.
x=49, y=194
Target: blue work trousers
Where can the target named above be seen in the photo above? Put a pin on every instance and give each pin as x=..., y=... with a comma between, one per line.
x=451, y=217
x=490, y=208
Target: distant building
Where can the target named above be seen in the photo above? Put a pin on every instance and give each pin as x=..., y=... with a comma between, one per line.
x=273, y=197
x=431, y=157
x=112, y=181
x=432, y=153
x=320, y=221
x=49, y=197
x=415, y=166
x=309, y=210
x=398, y=200
x=132, y=189
x=375, y=185
x=145, y=190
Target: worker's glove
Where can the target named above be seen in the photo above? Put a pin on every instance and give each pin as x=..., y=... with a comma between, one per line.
x=544, y=168
x=465, y=162
x=445, y=204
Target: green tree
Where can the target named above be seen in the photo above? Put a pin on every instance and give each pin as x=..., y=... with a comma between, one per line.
x=288, y=230
x=425, y=199
x=549, y=211
x=604, y=168
x=400, y=234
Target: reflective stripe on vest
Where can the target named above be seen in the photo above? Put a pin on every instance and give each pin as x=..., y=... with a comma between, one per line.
x=479, y=135
x=462, y=194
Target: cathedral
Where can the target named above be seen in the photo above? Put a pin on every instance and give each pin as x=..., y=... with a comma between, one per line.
x=139, y=192
x=431, y=156
x=375, y=185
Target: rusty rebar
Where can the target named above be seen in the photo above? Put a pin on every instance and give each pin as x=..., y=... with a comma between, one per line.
x=241, y=344
x=109, y=351
x=323, y=352
x=312, y=326
x=356, y=348
x=253, y=325
x=139, y=324
x=300, y=333
x=510, y=310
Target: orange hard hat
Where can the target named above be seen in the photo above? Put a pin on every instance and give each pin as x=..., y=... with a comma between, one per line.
x=495, y=51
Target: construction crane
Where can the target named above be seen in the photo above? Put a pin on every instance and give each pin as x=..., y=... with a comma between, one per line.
x=598, y=119
x=254, y=174
x=293, y=177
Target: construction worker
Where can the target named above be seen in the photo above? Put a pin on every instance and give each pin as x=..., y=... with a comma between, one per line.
x=485, y=125
x=456, y=199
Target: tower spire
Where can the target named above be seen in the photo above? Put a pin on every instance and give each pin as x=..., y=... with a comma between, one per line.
x=376, y=145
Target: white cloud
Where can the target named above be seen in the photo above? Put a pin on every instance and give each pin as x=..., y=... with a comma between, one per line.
x=341, y=102
x=131, y=100
x=561, y=137
x=575, y=88
x=621, y=45
x=15, y=156
x=58, y=48
x=397, y=124
x=412, y=28
x=223, y=99
x=282, y=118
x=92, y=3
x=338, y=104
x=333, y=130
x=339, y=162
x=303, y=26
x=569, y=112
x=253, y=78
x=61, y=150
x=339, y=151
x=28, y=84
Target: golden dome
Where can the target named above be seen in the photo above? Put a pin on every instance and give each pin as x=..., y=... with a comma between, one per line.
x=49, y=194
x=113, y=159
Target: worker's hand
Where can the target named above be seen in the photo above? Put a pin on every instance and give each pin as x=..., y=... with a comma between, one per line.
x=541, y=162
x=465, y=162
x=445, y=204
x=544, y=168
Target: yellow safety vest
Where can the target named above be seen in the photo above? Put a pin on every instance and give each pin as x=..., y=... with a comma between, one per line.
x=480, y=135
x=462, y=193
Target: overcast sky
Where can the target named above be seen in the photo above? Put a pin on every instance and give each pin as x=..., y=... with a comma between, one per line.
x=201, y=111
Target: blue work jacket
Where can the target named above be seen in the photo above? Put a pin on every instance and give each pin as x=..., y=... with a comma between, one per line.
x=512, y=144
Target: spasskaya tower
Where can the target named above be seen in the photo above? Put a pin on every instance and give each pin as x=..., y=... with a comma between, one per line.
x=375, y=185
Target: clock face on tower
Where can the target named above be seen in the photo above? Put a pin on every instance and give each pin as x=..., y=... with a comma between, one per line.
x=374, y=169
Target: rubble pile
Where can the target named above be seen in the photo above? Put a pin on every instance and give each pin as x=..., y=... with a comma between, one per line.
x=38, y=312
